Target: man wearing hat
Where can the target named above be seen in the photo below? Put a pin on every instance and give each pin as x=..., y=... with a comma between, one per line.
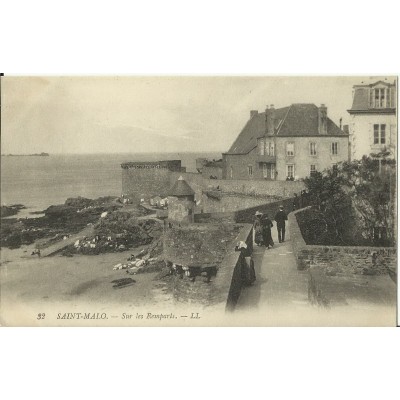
x=280, y=218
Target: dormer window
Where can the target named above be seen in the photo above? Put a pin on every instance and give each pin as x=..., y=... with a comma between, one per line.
x=379, y=98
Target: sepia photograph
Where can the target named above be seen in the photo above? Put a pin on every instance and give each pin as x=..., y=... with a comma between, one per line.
x=198, y=201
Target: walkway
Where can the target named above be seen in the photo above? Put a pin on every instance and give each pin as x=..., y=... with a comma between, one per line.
x=279, y=284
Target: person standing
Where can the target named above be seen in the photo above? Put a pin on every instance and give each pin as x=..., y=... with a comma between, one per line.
x=258, y=234
x=267, y=224
x=280, y=218
x=296, y=202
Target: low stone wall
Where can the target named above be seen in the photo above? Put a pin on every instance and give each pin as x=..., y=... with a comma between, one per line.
x=259, y=188
x=341, y=259
x=211, y=218
x=228, y=282
x=237, y=186
x=245, y=215
x=234, y=202
x=341, y=275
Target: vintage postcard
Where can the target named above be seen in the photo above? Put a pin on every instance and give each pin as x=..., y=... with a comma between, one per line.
x=198, y=201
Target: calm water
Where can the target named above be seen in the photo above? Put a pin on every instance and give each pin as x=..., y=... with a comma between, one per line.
x=38, y=182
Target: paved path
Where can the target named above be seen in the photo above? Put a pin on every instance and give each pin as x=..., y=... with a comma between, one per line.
x=279, y=283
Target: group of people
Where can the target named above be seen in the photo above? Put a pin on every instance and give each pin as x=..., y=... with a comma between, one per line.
x=263, y=225
x=301, y=201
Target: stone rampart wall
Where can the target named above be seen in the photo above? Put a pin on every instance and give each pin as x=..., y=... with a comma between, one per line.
x=224, y=289
x=344, y=260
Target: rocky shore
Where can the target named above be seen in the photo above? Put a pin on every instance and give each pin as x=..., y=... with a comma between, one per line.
x=61, y=221
x=7, y=211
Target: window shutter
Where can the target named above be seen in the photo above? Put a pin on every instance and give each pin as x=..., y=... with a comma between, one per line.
x=393, y=135
x=371, y=94
x=393, y=97
x=371, y=133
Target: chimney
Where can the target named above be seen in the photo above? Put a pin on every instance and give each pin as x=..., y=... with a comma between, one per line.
x=253, y=113
x=322, y=120
x=270, y=120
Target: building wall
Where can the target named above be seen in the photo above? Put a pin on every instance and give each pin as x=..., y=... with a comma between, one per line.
x=146, y=183
x=362, y=134
x=180, y=209
x=141, y=183
x=212, y=171
x=236, y=166
x=302, y=160
x=224, y=289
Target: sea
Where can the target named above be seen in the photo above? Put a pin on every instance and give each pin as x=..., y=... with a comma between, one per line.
x=38, y=182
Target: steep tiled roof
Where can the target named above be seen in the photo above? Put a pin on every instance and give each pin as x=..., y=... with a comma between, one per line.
x=296, y=120
x=181, y=188
x=254, y=128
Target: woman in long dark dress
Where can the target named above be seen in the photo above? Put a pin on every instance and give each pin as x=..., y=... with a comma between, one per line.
x=258, y=230
x=267, y=224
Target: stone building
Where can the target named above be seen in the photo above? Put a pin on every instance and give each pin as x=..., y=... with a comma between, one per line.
x=373, y=126
x=181, y=202
x=290, y=142
x=144, y=180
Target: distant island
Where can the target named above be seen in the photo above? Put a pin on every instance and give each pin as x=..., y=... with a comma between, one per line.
x=27, y=155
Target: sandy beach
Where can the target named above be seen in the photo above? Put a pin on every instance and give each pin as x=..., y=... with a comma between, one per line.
x=78, y=282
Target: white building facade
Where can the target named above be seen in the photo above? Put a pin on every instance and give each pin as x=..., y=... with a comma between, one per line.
x=373, y=121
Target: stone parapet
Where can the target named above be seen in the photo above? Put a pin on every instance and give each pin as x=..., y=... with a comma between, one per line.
x=341, y=259
x=340, y=275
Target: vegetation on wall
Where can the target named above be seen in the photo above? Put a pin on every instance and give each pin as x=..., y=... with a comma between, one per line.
x=352, y=203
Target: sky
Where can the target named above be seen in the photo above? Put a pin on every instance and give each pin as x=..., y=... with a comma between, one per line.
x=129, y=114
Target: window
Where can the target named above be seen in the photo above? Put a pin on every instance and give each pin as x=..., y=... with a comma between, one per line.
x=265, y=170
x=313, y=149
x=313, y=170
x=380, y=98
x=379, y=134
x=290, y=171
x=250, y=170
x=334, y=148
x=272, y=149
x=290, y=149
x=261, y=146
x=272, y=171
x=269, y=149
